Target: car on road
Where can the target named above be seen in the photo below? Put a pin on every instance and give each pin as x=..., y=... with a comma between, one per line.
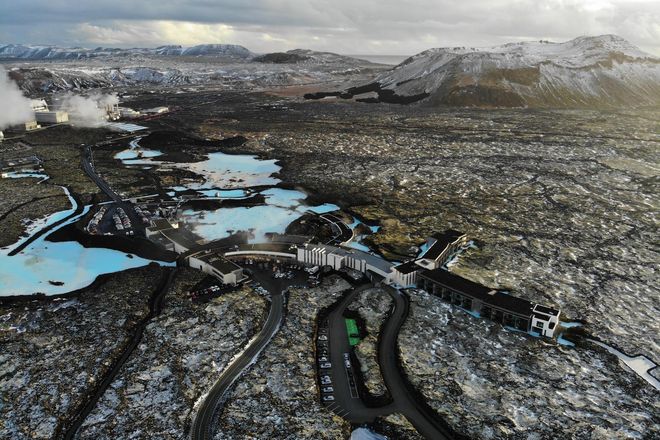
x=325, y=365
x=328, y=398
x=327, y=390
x=325, y=380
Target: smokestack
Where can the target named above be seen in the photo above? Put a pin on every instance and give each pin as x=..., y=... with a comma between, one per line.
x=15, y=108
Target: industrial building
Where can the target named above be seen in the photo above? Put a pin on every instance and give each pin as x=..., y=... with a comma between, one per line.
x=128, y=113
x=217, y=265
x=51, y=117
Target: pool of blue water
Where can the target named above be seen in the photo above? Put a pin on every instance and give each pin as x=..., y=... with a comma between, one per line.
x=282, y=207
x=32, y=270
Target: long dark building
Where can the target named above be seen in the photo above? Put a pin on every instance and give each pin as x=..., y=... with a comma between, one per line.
x=493, y=304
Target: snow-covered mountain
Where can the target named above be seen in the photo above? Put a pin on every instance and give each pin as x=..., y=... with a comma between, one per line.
x=30, y=52
x=603, y=71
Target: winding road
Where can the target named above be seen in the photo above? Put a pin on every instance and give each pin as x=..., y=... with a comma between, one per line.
x=203, y=423
x=405, y=399
x=425, y=420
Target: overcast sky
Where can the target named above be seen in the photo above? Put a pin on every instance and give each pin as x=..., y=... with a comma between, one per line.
x=388, y=27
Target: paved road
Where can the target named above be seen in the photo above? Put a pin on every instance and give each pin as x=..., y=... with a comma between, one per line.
x=426, y=421
x=346, y=403
x=129, y=208
x=203, y=424
x=405, y=401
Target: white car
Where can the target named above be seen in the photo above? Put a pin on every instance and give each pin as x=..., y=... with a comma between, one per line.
x=325, y=365
x=328, y=398
x=325, y=380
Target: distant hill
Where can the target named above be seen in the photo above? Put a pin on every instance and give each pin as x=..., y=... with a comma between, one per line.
x=603, y=71
x=306, y=56
x=30, y=52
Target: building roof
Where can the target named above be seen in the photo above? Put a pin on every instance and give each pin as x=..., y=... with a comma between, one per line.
x=488, y=296
x=160, y=224
x=407, y=267
x=268, y=247
x=288, y=238
x=348, y=252
x=180, y=237
x=442, y=240
x=218, y=262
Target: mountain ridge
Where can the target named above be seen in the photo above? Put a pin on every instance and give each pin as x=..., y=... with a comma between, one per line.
x=602, y=71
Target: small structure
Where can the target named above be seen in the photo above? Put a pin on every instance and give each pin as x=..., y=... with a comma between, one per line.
x=26, y=126
x=2, y=136
x=156, y=110
x=51, y=117
x=496, y=305
x=26, y=163
x=215, y=264
x=128, y=113
x=112, y=112
x=39, y=105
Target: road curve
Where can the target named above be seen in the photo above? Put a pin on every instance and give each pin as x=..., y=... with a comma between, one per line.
x=426, y=421
x=202, y=426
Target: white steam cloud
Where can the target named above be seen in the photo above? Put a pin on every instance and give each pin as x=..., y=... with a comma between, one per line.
x=14, y=107
x=88, y=111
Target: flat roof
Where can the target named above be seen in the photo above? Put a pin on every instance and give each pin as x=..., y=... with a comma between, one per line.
x=268, y=247
x=218, y=262
x=488, y=296
x=161, y=224
x=407, y=267
x=179, y=237
x=442, y=240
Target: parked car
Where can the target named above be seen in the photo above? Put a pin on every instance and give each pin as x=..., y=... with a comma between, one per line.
x=325, y=380
x=328, y=398
x=327, y=389
x=325, y=365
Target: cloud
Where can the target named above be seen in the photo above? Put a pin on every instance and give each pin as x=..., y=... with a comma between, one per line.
x=347, y=26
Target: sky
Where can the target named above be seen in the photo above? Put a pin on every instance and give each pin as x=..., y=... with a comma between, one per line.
x=379, y=27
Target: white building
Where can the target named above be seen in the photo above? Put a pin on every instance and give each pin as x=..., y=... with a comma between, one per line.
x=545, y=320
x=339, y=257
x=218, y=266
x=39, y=105
x=128, y=113
x=440, y=248
x=156, y=110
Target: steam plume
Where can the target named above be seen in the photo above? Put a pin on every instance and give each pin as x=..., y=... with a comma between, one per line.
x=14, y=107
x=88, y=111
